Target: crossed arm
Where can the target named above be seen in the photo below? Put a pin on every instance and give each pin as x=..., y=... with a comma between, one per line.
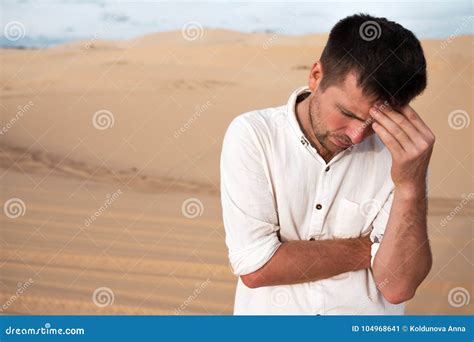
x=302, y=261
x=401, y=263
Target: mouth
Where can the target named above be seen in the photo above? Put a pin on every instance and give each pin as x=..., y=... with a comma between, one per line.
x=340, y=143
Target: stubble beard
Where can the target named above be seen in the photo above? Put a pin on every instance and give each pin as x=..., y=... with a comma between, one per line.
x=320, y=132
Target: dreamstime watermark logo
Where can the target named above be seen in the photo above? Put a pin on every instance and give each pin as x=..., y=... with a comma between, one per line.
x=111, y=18
x=360, y=129
x=456, y=32
x=270, y=41
x=192, y=208
x=368, y=122
x=370, y=30
x=14, y=208
x=197, y=291
x=46, y=330
x=21, y=287
x=110, y=199
x=197, y=113
x=458, y=297
x=103, y=296
x=14, y=30
x=21, y=110
x=466, y=199
x=369, y=208
x=459, y=119
x=103, y=119
x=192, y=30
x=276, y=34
x=382, y=284
x=280, y=297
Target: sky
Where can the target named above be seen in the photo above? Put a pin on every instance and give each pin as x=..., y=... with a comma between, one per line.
x=42, y=23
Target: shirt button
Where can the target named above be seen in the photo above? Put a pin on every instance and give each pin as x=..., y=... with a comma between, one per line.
x=318, y=206
x=327, y=169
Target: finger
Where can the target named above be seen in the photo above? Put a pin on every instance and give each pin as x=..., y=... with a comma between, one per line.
x=388, y=139
x=417, y=121
x=406, y=125
x=395, y=130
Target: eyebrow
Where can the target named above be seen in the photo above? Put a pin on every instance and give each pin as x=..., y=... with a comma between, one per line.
x=349, y=113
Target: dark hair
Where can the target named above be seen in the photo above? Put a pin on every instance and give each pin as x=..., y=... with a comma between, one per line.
x=386, y=57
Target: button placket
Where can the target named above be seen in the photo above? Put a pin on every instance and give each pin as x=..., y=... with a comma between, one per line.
x=319, y=205
x=322, y=205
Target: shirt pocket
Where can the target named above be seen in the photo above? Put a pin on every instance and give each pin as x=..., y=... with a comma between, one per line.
x=348, y=220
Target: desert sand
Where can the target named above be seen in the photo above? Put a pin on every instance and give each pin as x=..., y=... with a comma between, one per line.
x=107, y=142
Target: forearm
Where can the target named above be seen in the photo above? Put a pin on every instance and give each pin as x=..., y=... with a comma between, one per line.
x=303, y=261
x=404, y=257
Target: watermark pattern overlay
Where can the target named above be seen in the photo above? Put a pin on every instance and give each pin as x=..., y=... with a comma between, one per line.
x=464, y=23
x=465, y=200
x=280, y=297
x=192, y=208
x=14, y=31
x=14, y=208
x=192, y=31
x=458, y=297
x=105, y=28
x=197, y=291
x=189, y=123
x=110, y=199
x=459, y=119
x=370, y=30
x=21, y=288
x=131, y=241
x=21, y=110
x=103, y=296
x=103, y=119
x=370, y=207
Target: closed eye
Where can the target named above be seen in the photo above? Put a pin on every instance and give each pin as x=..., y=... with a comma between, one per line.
x=349, y=114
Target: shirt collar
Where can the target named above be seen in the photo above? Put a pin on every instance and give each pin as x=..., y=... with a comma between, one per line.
x=291, y=111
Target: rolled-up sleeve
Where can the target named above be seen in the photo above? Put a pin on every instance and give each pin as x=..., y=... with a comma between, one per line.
x=248, y=205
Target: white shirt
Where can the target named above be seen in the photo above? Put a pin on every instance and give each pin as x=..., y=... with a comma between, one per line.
x=272, y=184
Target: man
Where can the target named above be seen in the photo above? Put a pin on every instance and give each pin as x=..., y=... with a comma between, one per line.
x=324, y=199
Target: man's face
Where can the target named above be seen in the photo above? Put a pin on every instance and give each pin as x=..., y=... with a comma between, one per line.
x=340, y=115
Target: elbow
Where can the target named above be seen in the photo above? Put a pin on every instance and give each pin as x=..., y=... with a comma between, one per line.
x=250, y=280
x=398, y=297
x=403, y=291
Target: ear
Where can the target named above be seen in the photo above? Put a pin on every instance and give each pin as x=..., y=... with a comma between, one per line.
x=315, y=76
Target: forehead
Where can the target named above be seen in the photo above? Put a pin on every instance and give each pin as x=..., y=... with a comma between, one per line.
x=350, y=95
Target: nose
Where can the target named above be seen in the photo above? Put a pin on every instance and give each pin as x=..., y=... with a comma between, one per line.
x=356, y=132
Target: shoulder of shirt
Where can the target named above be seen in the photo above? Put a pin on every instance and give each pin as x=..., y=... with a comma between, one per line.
x=262, y=121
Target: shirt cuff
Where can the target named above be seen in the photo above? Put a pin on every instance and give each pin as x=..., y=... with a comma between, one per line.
x=252, y=258
x=373, y=250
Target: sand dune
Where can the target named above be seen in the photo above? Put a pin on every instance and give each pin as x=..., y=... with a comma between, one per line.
x=107, y=142
x=42, y=162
